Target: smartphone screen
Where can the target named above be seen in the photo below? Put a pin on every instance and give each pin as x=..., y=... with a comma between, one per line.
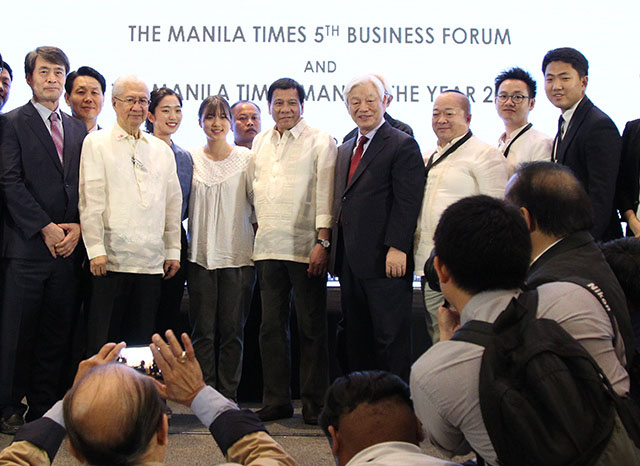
x=140, y=358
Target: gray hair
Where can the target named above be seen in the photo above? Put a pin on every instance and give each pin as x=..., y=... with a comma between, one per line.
x=121, y=83
x=363, y=79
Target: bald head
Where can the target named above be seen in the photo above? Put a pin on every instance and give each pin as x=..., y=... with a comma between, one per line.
x=112, y=415
x=556, y=201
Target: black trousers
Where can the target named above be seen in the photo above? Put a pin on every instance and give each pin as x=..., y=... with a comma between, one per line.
x=123, y=308
x=170, y=314
x=277, y=279
x=376, y=322
x=40, y=305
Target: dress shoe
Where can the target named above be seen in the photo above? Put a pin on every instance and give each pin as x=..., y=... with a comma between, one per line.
x=310, y=413
x=11, y=424
x=271, y=413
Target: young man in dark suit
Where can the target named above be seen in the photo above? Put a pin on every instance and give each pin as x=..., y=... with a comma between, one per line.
x=39, y=162
x=588, y=142
x=378, y=190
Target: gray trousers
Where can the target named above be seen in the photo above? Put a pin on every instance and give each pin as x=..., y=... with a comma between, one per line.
x=432, y=301
x=277, y=279
x=219, y=306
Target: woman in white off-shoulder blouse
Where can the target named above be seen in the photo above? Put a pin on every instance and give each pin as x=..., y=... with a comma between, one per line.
x=221, y=273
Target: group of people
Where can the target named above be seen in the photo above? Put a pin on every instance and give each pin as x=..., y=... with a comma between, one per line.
x=290, y=205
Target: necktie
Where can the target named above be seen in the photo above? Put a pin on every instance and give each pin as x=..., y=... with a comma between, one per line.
x=56, y=133
x=357, y=156
x=560, y=125
x=558, y=138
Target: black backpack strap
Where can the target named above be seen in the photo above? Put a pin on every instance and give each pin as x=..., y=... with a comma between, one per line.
x=476, y=332
x=480, y=332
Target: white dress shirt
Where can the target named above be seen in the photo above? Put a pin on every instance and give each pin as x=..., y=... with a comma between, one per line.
x=220, y=210
x=130, y=201
x=532, y=146
x=293, y=191
x=473, y=168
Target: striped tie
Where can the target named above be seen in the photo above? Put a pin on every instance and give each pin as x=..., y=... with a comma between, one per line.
x=56, y=134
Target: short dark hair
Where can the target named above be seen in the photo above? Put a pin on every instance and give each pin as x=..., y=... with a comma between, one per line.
x=286, y=83
x=84, y=71
x=484, y=243
x=567, y=55
x=520, y=75
x=140, y=402
x=216, y=105
x=50, y=54
x=555, y=199
x=154, y=99
x=623, y=256
x=346, y=393
x=245, y=102
x=6, y=66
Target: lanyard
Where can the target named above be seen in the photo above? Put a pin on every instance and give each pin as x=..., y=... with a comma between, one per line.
x=450, y=150
x=526, y=128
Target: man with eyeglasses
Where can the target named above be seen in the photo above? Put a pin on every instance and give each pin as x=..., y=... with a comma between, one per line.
x=130, y=207
x=515, y=98
x=460, y=166
x=39, y=161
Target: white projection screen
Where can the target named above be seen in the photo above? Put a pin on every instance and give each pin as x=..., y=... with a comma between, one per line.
x=238, y=48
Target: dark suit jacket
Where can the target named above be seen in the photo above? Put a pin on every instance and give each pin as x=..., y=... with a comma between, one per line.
x=577, y=255
x=36, y=188
x=628, y=188
x=591, y=149
x=380, y=206
x=397, y=124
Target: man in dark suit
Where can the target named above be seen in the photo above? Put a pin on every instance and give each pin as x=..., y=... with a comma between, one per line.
x=587, y=142
x=559, y=217
x=39, y=163
x=388, y=97
x=628, y=188
x=379, y=185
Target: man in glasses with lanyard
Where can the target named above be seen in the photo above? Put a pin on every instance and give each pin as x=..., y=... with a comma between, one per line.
x=460, y=166
x=515, y=98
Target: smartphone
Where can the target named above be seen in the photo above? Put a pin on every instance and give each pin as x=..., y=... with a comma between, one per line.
x=141, y=359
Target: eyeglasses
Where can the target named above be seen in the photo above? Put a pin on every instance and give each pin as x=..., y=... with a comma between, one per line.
x=131, y=101
x=516, y=99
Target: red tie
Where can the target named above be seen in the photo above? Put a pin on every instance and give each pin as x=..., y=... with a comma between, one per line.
x=56, y=133
x=357, y=156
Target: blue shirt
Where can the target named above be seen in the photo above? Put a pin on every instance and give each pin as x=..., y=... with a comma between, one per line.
x=184, y=166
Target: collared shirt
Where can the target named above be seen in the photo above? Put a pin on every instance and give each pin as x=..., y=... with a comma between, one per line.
x=444, y=380
x=220, y=210
x=369, y=137
x=293, y=191
x=530, y=147
x=45, y=113
x=184, y=166
x=567, y=115
x=130, y=201
x=546, y=249
x=395, y=453
x=473, y=168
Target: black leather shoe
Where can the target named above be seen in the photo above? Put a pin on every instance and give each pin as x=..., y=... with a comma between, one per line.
x=271, y=413
x=11, y=424
x=310, y=413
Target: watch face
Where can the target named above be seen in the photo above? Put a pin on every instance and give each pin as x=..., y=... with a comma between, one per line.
x=324, y=243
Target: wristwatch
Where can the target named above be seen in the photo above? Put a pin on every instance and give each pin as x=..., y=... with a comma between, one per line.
x=325, y=243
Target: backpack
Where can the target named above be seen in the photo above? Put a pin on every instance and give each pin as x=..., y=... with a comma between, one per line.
x=544, y=400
